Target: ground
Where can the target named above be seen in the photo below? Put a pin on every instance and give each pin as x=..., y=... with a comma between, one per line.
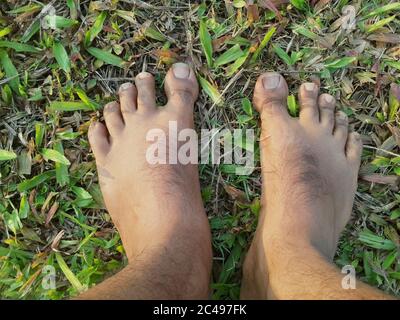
x=60, y=64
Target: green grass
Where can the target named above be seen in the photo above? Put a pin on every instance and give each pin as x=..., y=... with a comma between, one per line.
x=55, y=82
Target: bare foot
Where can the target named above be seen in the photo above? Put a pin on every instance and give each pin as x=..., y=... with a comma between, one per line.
x=156, y=208
x=309, y=172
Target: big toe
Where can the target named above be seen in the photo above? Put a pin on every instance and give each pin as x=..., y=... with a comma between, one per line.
x=181, y=86
x=270, y=95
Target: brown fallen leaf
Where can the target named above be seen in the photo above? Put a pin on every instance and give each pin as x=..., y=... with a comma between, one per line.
x=219, y=42
x=236, y=194
x=272, y=5
x=31, y=201
x=56, y=241
x=166, y=56
x=395, y=131
x=26, y=286
x=394, y=52
x=385, y=37
x=320, y=5
x=326, y=41
x=51, y=213
x=391, y=180
x=104, y=232
x=252, y=14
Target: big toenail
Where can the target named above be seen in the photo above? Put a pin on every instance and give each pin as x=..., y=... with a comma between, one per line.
x=125, y=86
x=181, y=70
x=144, y=75
x=310, y=86
x=328, y=99
x=271, y=81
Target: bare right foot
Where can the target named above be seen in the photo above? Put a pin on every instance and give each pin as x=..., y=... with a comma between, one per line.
x=309, y=172
x=157, y=208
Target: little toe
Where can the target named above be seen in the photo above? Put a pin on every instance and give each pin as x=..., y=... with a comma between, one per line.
x=270, y=95
x=127, y=97
x=98, y=138
x=146, y=92
x=341, y=128
x=181, y=86
x=113, y=117
x=308, y=95
x=354, y=148
x=326, y=104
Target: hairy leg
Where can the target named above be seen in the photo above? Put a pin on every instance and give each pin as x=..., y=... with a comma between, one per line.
x=157, y=208
x=309, y=171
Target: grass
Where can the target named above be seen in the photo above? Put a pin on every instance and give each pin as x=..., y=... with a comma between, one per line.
x=54, y=82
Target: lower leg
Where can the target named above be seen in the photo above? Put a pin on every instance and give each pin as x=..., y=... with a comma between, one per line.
x=157, y=208
x=309, y=171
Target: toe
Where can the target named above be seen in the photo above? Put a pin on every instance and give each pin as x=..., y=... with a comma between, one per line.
x=127, y=97
x=98, y=138
x=181, y=86
x=308, y=95
x=113, y=118
x=326, y=104
x=146, y=97
x=341, y=128
x=353, y=148
x=270, y=95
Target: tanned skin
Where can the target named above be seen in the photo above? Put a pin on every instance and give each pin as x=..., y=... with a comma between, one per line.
x=309, y=172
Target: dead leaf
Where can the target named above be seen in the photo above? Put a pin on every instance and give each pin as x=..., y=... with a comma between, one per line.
x=395, y=131
x=318, y=6
x=236, y=194
x=166, y=56
x=51, y=213
x=31, y=201
x=272, y=5
x=385, y=37
x=391, y=180
x=252, y=14
x=56, y=241
x=219, y=42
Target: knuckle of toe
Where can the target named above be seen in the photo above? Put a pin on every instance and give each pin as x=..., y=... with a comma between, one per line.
x=269, y=106
x=327, y=107
x=341, y=123
x=308, y=101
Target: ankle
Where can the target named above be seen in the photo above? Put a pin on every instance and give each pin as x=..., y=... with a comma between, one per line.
x=280, y=252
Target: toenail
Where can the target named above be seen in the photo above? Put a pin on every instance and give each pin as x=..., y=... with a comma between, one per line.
x=310, y=86
x=271, y=81
x=181, y=70
x=144, y=75
x=125, y=86
x=356, y=136
x=328, y=98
